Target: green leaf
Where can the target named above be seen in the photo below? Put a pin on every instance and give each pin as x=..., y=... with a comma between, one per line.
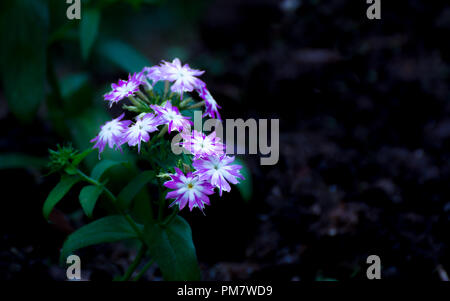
x=129, y=192
x=17, y=160
x=23, y=35
x=79, y=157
x=173, y=249
x=123, y=56
x=73, y=83
x=58, y=193
x=89, y=29
x=107, y=229
x=102, y=167
x=245, y=187
x=71, y=170
x=88, y=198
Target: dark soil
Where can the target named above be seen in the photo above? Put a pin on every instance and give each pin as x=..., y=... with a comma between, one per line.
x=364, y=150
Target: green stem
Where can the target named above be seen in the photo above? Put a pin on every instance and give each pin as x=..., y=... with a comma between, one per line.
x=144, y=269
x=143, y=97
x=185, y=103
x=148, y=89
x=130, y=108
x=137, y=102
x=197, y=105
x=113, y=199
x=163, y=131
x=168, y=220
x=166, y=89
x=162, y=203
x=135, y=263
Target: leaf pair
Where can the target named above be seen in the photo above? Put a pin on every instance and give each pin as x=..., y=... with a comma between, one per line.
x=88, y=195
x=171, y=246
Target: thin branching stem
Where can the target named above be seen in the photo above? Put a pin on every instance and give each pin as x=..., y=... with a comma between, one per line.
x=113, y=199
x=135, y=263
x=144, y=269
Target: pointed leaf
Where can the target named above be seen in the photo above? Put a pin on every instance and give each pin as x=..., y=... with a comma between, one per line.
x=79, y=157
x=173, y=249
x=88, y=198
x=134, y=187
x=108, y=229
x=102, y=167
x=73, y=83
x=123, y=55
x=58, y=193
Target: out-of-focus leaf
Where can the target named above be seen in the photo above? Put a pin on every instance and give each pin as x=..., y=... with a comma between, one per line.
x=89, y=29
x=245, y=186
x=16, y=160
x=88, y=198
x=173, y=249
x=123, y=56
x=102, y=167
x=134, y=187
x=77, y=94
x=73, y=83
x=107, y=229
x=23, y=35
x=58, y=193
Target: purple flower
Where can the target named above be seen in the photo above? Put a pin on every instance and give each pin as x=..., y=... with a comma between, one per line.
x=183, y=77
x=111, y=133
x=188, y=189
x=153, y=74
x=171, y=115
x=212, y=108
x=140, y=130
x=217, y=170
x=201, y=145
x=124, y=88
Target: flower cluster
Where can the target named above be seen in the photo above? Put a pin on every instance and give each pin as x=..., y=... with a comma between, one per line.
x=163, y=112
x=214, y=171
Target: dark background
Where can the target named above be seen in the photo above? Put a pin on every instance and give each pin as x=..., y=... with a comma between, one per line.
x=364, y=144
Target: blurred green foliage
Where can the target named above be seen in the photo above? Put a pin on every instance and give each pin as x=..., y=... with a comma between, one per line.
x=23, y=32
x=41, y=49
x=59, y=69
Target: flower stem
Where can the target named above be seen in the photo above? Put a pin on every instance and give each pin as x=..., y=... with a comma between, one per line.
x=168, y=220
x=130, y=108
x=166, y=89
x=135, y=263
x=197, y=105
x=143, y=97
x=163, y=131
x=185, y=103
x=137, y=102
x=162, y=202
x=144, y=269
x=113, y=199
